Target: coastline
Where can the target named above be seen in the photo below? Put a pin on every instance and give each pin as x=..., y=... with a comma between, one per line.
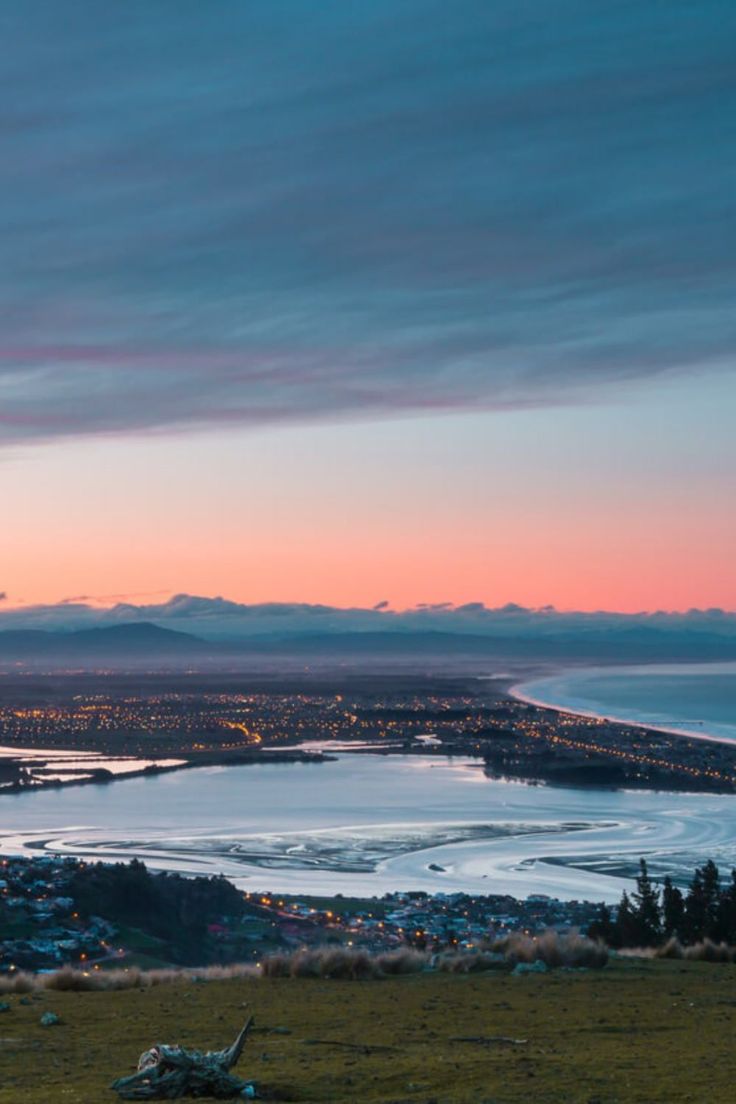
x=505, y=726
x=524, y=692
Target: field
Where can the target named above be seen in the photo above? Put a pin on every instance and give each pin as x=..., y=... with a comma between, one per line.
x=633, y=1032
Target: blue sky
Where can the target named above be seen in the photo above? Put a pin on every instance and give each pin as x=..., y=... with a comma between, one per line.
x=288, y=210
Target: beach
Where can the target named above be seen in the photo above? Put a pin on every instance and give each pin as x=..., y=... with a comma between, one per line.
x=690, y=699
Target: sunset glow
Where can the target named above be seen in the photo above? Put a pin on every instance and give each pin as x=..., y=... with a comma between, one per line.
x=583, y=508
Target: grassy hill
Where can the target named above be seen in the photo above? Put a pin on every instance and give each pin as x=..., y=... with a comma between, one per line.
x=633, y=1032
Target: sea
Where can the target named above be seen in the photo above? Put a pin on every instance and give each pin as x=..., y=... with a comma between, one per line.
x=698, y=699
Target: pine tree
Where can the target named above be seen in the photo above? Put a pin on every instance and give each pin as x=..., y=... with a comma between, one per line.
x=726, y=914
x=603, y=927
x=695, y=910
x=711, y=898
x=673, y=909
x=625, y=928
x=646, y=908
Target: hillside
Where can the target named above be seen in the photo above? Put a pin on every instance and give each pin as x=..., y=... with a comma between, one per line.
x=136, y=641
x=634, y=1033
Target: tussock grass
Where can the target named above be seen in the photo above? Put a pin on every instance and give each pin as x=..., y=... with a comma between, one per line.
x=346, y=963
x=569, y=949
x=707, y=951
x=403, y=961
x=68, y=979
x=472, y=962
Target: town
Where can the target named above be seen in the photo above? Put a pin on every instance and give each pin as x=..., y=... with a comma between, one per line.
x=49, y=918
x=152, y=723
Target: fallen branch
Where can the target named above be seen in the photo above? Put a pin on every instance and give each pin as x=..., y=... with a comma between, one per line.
x=169, y=1072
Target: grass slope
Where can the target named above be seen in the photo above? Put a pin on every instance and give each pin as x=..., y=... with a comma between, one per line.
x=634, y=1032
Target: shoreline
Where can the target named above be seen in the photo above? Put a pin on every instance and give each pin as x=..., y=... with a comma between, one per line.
x=101, y=776
x=507, y=729
x=518, y=693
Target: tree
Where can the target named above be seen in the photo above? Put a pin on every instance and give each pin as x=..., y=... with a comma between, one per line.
x=626, y=928
x=646, y=909
x=695, y=911
x=711, y=898
x=726, y=915
x=673, y=909
x=603, y=927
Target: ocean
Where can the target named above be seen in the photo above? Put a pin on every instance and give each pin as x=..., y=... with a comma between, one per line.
x=699, y=699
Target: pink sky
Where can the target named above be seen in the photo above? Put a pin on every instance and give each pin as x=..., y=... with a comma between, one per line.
x=582, y=508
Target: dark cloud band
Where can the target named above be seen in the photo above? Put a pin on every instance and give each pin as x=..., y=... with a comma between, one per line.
x=286, y=211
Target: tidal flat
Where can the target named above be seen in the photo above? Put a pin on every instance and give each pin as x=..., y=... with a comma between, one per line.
x=432, y=823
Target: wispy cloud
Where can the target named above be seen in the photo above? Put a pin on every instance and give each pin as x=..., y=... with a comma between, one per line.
x=264, y=212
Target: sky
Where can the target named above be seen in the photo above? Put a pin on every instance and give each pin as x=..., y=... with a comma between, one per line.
x=348, y=303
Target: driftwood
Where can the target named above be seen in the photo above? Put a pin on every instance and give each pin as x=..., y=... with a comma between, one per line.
x=169, y=1072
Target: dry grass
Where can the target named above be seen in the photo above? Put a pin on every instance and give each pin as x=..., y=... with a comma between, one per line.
x=71, y=980
x=707, y=951
x=344, y=963
x=571, y=949
x=473, y=962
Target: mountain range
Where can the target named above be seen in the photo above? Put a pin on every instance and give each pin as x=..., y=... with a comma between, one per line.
x=130, y=644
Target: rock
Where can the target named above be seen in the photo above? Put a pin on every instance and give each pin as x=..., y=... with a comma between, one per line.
x=537, y=967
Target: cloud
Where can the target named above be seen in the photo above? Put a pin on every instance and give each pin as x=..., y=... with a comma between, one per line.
x=264, y=213
x=221, y=619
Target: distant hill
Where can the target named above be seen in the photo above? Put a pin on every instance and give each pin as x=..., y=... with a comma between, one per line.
x=605, y=644
x=133, y=644
x=140, y=641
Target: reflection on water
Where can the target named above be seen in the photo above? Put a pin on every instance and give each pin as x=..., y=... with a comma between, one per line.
x=47, y=765
x=369, y=824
